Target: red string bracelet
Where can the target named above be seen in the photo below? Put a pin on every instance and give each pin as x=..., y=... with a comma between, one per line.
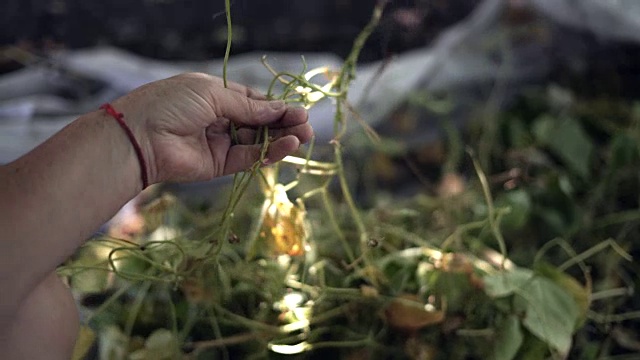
x=136, y=146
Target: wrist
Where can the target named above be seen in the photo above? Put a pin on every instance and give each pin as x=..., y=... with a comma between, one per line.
x=120, y=153
x=119, y=118
x=135, y=118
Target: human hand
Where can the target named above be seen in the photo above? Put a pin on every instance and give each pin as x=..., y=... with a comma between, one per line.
x=183, y=125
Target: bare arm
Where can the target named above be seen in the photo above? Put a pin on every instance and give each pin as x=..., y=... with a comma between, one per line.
x=53, y=198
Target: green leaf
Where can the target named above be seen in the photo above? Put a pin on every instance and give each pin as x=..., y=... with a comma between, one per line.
x=567, y=139
x=550, y=312
x=532, y=348
x=509, y=339
x=519, y=202
x=624, y=151
x=506, y=282
x=581, y=294
x=518, y=134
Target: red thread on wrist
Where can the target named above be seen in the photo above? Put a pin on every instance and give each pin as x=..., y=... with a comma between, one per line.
x=136, y=146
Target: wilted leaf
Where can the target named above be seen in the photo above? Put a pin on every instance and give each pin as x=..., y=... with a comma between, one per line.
x=509, y=339
x=551, y=313
x=407, y=312
x=418, y=349
x=506, y=282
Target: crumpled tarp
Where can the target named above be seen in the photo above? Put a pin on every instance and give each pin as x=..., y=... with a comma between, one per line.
x=477, y=53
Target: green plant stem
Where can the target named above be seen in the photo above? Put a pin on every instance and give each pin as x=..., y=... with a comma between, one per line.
x=136, y=307
x=227, y=51
x=617, y=218
x=348, y=70
x=342, y=344
x=611, y=318
x=493, y=218
x=594, y=250
x=355, y=214
x=227, y=341
x=347, y=75
x=336, y=227
x=121, y=291
x=174, y=324
x=461, y=230
x=240, y=186
x=240, y=182
x=408, y=236
x=218, y=332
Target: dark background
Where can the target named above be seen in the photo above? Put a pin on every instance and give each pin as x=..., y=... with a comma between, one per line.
x=196, y=29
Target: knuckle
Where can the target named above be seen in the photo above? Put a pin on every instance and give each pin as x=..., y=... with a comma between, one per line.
x=252, y=107
x=254, y=93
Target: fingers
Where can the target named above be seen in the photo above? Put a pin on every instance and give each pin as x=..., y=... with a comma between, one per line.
x=244, y=111
x=242, y=157
x=303, y=132
x=292, y=117
x=242, y=105
x=294, y=122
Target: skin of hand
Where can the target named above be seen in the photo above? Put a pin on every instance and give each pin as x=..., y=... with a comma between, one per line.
x=189, y=138
x=57, y=195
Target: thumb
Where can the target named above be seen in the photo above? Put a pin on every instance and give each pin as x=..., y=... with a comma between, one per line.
x=245, y=111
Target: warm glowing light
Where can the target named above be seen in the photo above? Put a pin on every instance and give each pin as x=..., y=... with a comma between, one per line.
x=283, y=223
x=293, y=300
x=290, y=349
x=429, y=308
x=298, y=325
x=310, y=94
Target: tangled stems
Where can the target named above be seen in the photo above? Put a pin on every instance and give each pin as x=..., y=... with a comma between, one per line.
x=240, y=184
x=240, y=181
x=337, y=88
x=347, y=75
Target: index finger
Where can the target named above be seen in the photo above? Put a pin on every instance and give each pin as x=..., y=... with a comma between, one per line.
x=244, y=111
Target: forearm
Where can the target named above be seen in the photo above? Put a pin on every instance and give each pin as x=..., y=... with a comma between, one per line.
x=53, y=198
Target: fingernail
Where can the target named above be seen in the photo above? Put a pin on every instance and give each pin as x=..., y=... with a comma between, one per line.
x=266, y=161
x=276, y=104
